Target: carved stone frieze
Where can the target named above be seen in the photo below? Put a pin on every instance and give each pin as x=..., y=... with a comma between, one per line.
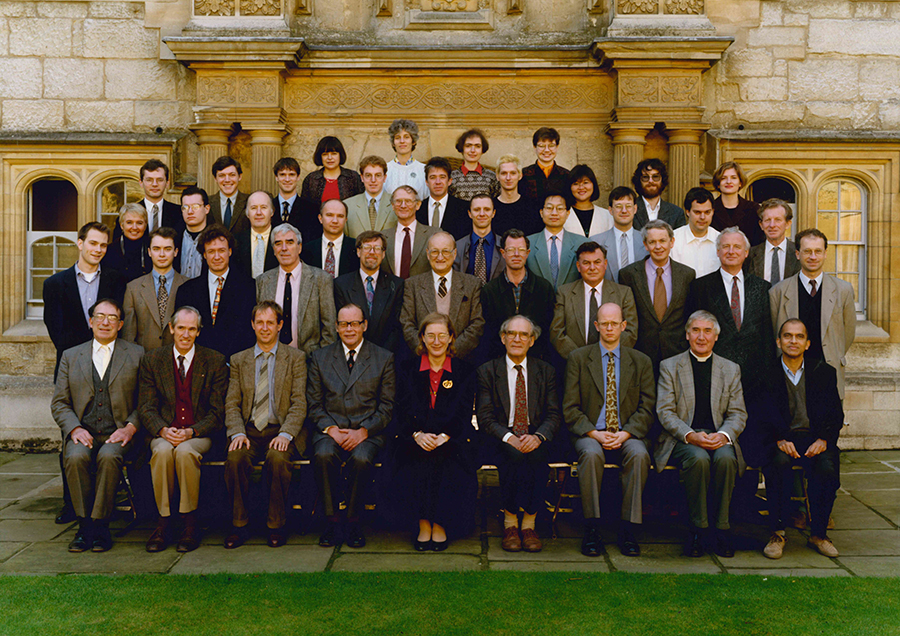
x=302, y=7
x=216, y=90
x=448, y=5
x=214, y=7
x=640, y=90
x=245, y=91
x=680, y=90
x=258, y=90
x=647, y=7
x=685, y=7
x=385, y=10
x=260, y=7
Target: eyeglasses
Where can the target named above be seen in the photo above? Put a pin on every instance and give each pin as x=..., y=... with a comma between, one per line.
x=515, y=251
x=354, y=324
x=651, y=177
x=545, y=146
x=444, y=253
x=194, y=207
x=432, y=337
x=518, y=335
x=609, y=324
x=372, y=248
x=110, y=318
x=404, y=203
x=557, y=208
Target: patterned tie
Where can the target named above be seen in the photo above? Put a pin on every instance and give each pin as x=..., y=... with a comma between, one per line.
x=154, y=213
x=370, y=293
x=812, y=288
x=775, y=275
x=612, y=400
x=436, y=215
x=287, y=330
x=329, y=259
x=480, y=262
x=259, y=255
x=405, y=254
x=736, y=302
x=162, y=300
x=261, y=396
x=520, y=414
x=181, y=371
x=660, y=302
x=623, y=251
x=103, y=359
x=285, y=213
x=593, y=334
x=215, y=307
x=442, y=287
x=373, y=214
x=227, y=217
x=350, y=355
x=554, y=260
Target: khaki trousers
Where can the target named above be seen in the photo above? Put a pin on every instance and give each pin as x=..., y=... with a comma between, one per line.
x=181, y=462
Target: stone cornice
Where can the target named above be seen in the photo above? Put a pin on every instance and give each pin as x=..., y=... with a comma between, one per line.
x=244, y=51
x=668, y=51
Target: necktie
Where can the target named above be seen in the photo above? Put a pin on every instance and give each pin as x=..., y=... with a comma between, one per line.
x=329, y=259
x=261, y=396
x=736, y=302
x=287, y=329
x=155, y=220
x=436, y=215
x=215, y=307
x=480, y=262
x=623, y=251
x=373, y=214
x=520, y=412
x=593, y=335
x=775, y=275
x=350, y=355
x=405, y=254
x=442, y=287
x=259, y=255
x=285, y=213
x=370, y=293
x=181, y=370
x=554, y=260
x=612, y=400
x=660, y=303
x=102, y=360
x=812, y=288
x=227, y=217
x=162, y=300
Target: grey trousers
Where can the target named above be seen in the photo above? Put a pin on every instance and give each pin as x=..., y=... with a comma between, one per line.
x=635, y=461
x=93, y=495
x=701, y=468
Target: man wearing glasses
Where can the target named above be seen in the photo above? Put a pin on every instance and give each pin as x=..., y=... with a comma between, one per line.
x=650, y=178
x=544, y=175
x=194, y=210
x=406, y=241
x=553, y=250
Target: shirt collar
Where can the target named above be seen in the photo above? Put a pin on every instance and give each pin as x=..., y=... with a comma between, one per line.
x=148, y=204
x=295, y=273
x=408, y=163
x=223, y=199
x=791, y=374
x=806, y=279
x=212, y=278
x=425, y=365
x=356, y=349
x=363, y=276
x=782, y=246
x=728, y=278
x=650, y=207
x=167, y=276
x=264, y=234
x=479, y=169
x=437, y=279
x=616, y=353
x=547, y=235
x=442, y=201
x=698, y=358
x=89, y=277
x=377, y=197
x=97, y=345
x=188, y=357
x=511, y=366
x=258, y=352
x=488, y=240
x=289, y=201
x=506, y=277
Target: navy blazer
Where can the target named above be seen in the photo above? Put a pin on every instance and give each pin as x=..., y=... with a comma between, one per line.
x=384, y=319
x=823, y=403
x=349, y=261
x=303, y=216
x=455, y=219
x=242, y=258
x=171, y=217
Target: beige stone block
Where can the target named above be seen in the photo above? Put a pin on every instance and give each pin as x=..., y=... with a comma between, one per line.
x=73, y=78
x=795, y=19
x=823, y=114
x=821, y=8
x=797, y=52
x=777, y=36
x=33, y=115
x=748, y=63
x=871, y=10
x=730, y=92
x=889, y=114
x=78, y=38
x=858, y=401
x=14, y=9
x=824, y=80
x=4, y=37
x=100, y=116
x=879, y=79
x=140, y=79
x=864, y=116
x=779, y=68
x=863, y=37
x=120, y=10
x=771, y=13
x=20, y=77
x=167, y=114
x=755, y=89
x=62, y=9
x=759, y=112
x=884, y=401
x=49, y=37
x=868, y=423
x=119, y=39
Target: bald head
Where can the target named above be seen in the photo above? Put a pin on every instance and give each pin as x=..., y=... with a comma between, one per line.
x=610, y=324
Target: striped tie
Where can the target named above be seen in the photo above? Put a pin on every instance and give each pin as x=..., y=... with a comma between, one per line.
x=261, y=396
x=215, y=307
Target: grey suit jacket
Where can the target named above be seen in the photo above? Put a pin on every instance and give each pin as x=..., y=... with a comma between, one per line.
x=675, y=402
x=358, y=215
x=75, y=385
x=586, y=391
x=313, y=309
x=463, y=247
x=756, y=261
x=140, y=313
x=238, y=212
x=838, y=317
x=290, y=392
x=418, y=264
x=419, y=300
x=539, y=259
x=567, y=329
x=608, y=240
x=363, y=398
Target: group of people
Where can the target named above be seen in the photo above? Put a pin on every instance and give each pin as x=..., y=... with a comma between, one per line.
x=368, y=317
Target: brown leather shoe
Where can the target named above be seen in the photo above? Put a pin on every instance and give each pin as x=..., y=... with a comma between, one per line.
x=159, y=538
x=530, y=541
x=190, y=535
x=277, y=537
x=511, y=540
x=775, y=547
x=824, y=546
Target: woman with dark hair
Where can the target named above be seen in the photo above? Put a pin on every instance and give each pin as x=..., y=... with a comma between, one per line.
x=471, y=177
x=731, y=209
x=435, y=459
x=127, y=253
x=332, y=180
x=585, y=218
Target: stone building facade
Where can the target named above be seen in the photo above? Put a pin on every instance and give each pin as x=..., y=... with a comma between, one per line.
x=805, y=94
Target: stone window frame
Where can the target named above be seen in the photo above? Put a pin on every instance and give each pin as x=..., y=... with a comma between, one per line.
x=112, y=217
x=837, y=240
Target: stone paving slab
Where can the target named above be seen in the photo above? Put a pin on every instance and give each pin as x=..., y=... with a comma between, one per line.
x=885, y=455
x=813, y=572
x=401, y=543
x=249, y=559
x=19, y=485
x=443, y=562
x=555, y=550
x=865, y=468
x=37, y=463
x=879, y=499
x=45, y=505
x=594, y=565
x=796, y=556
x=7, y=457
x=29, y=530
x=667, y=559
x=871, y=481
x=872, y=566
x=866, y=542
x=124, y=558
x=851, y=514
x=9, y=548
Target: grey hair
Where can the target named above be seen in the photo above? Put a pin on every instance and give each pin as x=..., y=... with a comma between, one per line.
x=535, y=329
x=734, y=229
x=441, y=234
x=132, y=208
x=284, y=228
x=409, y=190
x=701, y=314
x=191, y=310
x=404, y=124
x=657, y=225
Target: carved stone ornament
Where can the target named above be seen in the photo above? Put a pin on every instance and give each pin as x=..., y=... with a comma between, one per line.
x=685, y=7
x=680, y=90
x=448, y=5
x=260, y=7
x=258, y=90
x=225, y=91
x=638, y=6
x=216, y=90
x=639, y=90
x=670, y=91
x=214, y=7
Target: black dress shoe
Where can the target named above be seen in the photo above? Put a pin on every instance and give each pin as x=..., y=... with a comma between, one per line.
x=355, y=536
x=439, y=546
x=422, y=546
x=723, y=544
x=66, y=515
x=629, y=547
x=102, y=538
x=694, y=547
x=236, y=538
x=83, y=537
x=331, y=536
x=277, y=537
x=591, y=545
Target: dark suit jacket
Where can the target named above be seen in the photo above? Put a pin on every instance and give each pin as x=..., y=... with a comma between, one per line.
x=171, y=217
x=242, y=258
x=384, y=319
x=668, y=212
x=239, y=220
x=157, y=390
x=463, y=249
x=455, y=219
x=348, y=261
x=232, y=331
x=363, y=398
x=493, y=401
x=418, y=263
x=659, y=339
x=568, y=328
x=63, y=313
x=535, y=185
x=756, y=261
x=498, y=302
x=586, y=391
x=302, y=217
x=452, y=412
x=823, y=403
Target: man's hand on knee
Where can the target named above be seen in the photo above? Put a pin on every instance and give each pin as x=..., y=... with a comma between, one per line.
x=80, y=435
x=239, y=441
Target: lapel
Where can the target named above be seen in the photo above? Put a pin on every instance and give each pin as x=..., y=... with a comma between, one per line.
x=716, y=389
x=721, y=304
x=456, y=295
x=418, y=243
x=150, y=298
x=502, y=383
x=598, y=373
x=642, y=292
x=570, y=243
x=791, y=298
x=339, y=363
x=429, y=296
x=576, y=298
x=281, y=372
x=85, y=364
x=641, y=218
x=382, y=293
x=685, y=375
x=116, y=362
x=534, y=390
x=829, y=299
x=679, y=288
x=384, y=213
x=359, y=365
x=198, y=375
x=248, y=379
x=304, y=291
x=541, y=256
x=74, y=299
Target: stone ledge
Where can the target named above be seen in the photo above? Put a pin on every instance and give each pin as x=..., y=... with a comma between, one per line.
x=88, y=138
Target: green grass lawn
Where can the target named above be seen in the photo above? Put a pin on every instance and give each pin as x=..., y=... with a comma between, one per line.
x=494, y=603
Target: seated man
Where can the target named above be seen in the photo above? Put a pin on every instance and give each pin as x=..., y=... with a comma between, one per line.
x=518, y=404
x=350, y=396
x=610, y=425
x=182, y=403
x=264, y=413
x=806, y=434
x=701, y=407
x=97, y=431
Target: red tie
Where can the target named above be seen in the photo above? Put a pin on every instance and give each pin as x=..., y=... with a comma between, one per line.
x=736, y=303
x=405, y=254
x=520, y=414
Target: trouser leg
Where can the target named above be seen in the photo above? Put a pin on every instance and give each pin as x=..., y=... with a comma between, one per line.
x=238, y=467
x=327, y=462
x=635, y=468
x=162, y=473
x=724, y=472
x=694, y=465
x=110, y=459
x=77, y=460
x=277, y=477
x=823, y=480
x=779, y=483
x=591, y=459
x=358, y=474
x=188, y=456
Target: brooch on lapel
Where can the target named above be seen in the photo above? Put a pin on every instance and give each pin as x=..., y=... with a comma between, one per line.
x=447, y=384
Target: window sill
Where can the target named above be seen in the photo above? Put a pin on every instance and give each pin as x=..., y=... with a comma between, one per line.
x=866, y=331
x=28, y=330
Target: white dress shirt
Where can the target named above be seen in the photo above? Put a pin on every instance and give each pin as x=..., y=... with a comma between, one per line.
x=212, y=282
x=398, y=243
x=338, y=242
x=549, y=241
x=159, y=210
x=101, y=363
x=805, y=281
x=437, y=281
x=188, y=358
x=653, y=212
x=511, y=377
x=698, y=253
x=295, y=293
x=767, y=263
x=629, y=241
x=588, y=319
x=433, y=202
x=728, y=280
x=355, y=351
x=259, y=243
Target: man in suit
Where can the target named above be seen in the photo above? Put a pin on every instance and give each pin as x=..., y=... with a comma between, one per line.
x=440, y=210
x=195, y=213
x=544, y=175
x=253, y=253
x=623, y=243
x=304, y=293
x=517, y=405
x=377, y=292
x=160, y=213
x=517, y=292
x=776, y=258
x=701, y=408
x=608, y=406
x=150, y=299
x=372, y=209
x=661, y=315
x=289, y=208
x=338, y=256
x=94, y=404
x=478, y=253
x=650, y=178
x=350, y=398
x=824, y=303
x=224, y=296
x=442, y=290
x=264, y=413
x=228, y=207
x=553, y=250
x=806, y=433
x=182, y=404
x=695, y=243
x=577, y=303
x=406, y=241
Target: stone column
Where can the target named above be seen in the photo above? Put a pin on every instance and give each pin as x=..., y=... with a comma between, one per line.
x=265, y=151
x=628, y=150
x=684, y=162
x=213, y=140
